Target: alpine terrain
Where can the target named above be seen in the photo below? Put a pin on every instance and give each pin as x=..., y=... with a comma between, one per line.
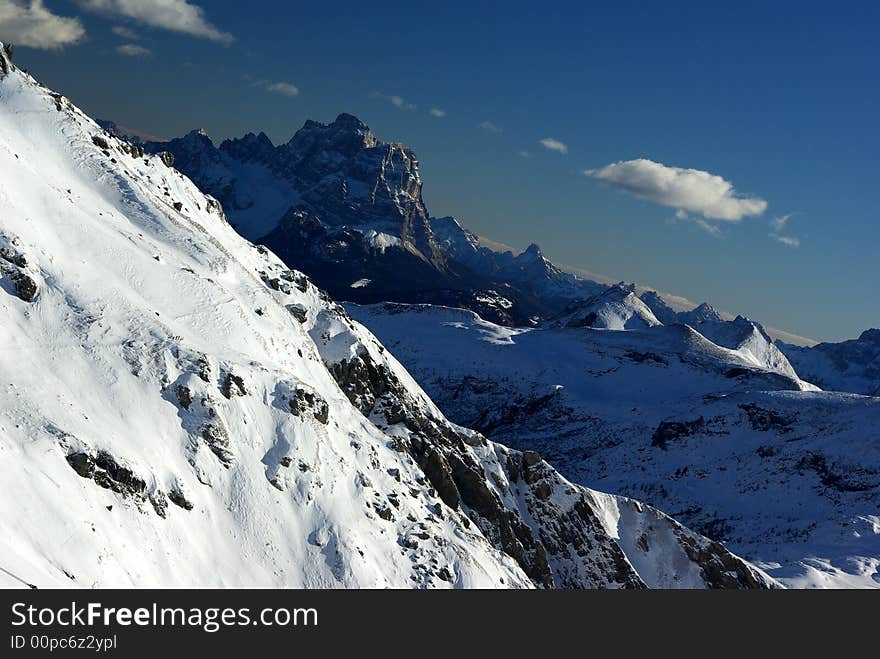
x=708, y=421
x=178, y=407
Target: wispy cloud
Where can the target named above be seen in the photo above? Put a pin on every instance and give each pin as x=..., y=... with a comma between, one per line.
x=554, y=145
x=396, y=101
x=690, y=190
x=31, y=24
x=778, y=225
x=437, y=112
x=132, y=50
x=711, y=229
x=126, y=33
x=283, y=88
x=524, y=154
x=489, y=127
x=788, y=241
x=174, y=15
x=682, y=216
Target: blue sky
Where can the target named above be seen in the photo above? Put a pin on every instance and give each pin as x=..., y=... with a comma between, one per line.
x=773, y=106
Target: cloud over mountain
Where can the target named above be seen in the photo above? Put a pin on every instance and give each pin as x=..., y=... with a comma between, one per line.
x=691, y=190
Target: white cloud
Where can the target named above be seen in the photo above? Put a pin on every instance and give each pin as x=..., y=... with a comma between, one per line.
x=132, y=50
x=489, y=127
x=788, y=241
x=31, y=24
x=554, y=145
x=283, y=88
x=125, y=33
x=524, y=154
x=690, y=190
x=437, y=112
x=175, y=15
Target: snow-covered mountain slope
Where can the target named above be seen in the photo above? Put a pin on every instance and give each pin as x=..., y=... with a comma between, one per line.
x=178, y=408
x=745, y=453
x=748, y=339
x=616, y=308
x=740, y=334
x=852, y=366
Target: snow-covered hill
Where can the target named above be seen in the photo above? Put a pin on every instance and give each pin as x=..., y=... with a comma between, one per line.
x=616, y=308
x=179, y=408
x=852, y=366
x=723, y=437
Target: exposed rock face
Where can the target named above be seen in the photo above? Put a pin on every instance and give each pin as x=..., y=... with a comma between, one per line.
x=5, y=59
x=344, y=175
x=14, y=269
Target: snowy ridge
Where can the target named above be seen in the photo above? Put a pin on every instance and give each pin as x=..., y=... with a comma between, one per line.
x=749, y=339
x=617, y=308
x=178, y=408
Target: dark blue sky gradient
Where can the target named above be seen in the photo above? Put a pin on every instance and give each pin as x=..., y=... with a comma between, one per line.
x=779, y=98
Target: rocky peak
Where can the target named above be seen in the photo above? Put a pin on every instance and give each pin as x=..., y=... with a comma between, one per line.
x=346, y=135
x=664, y=313
x=532, y=253
x=619, y=291
x=703, y=313
x=872, y=335
x=250, y=148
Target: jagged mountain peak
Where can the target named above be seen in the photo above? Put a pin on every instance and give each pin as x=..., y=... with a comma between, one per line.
x=703, y=312
x=198, y=135
x=533, y=251
x=250, y=147
x=346, y=134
